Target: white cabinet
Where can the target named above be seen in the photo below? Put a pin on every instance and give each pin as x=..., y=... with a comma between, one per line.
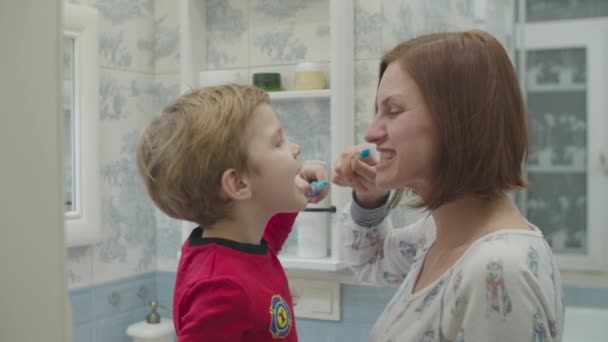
x=565, y=83
x=316, y=299
x=337, y=103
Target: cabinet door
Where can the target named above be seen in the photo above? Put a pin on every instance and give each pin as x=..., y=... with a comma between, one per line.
x=565, y=84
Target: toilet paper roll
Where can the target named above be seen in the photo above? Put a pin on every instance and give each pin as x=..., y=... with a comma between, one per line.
x=313, y=230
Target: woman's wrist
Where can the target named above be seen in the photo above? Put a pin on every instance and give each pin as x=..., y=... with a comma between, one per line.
x=370, y=216
x=370, y=201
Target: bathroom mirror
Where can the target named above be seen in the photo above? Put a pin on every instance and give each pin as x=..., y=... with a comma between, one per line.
x=81, y=146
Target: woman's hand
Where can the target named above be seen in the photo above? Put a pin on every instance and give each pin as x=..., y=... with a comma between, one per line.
x=353, y=171
x=312, y=173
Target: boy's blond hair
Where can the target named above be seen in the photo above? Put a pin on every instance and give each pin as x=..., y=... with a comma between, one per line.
x=183, y=153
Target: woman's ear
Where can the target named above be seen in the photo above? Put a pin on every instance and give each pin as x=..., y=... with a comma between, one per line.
x=235, y=186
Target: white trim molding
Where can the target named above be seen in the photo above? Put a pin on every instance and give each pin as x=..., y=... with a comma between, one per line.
x=83, y=226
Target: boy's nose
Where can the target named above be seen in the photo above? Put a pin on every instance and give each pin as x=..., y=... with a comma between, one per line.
x=295, y=150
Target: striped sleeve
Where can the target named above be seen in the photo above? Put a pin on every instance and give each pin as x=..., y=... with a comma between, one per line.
x=368, y=217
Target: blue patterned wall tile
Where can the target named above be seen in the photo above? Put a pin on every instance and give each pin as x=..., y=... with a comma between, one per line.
x=79, y=262
x=320, y=331
x=287, y=32
x=90, y=3
x=110, y=300
x=120, y=11
x=114, y=329
x=84, y=332
x=168, y=241
x=127, y=34
x=82, y=305
x=162, y=44
x=306, y=122
x=227, y=34
x=128, y=243
x=166, y=36
x=127, y=215
x=155, y=95
x=115, y=98
x=277, y=45
x=363, y=304
x=407, y=19
x=586, y=297
x=140, y=314
x=111, y=98
x=113, y=51
x=165, y=283
x=283, y=10
x=133, y=98
x=123, y=296
x=368, y=23
x=161, y=92
x=500, y=22
x=366, y=82
x=312, y=330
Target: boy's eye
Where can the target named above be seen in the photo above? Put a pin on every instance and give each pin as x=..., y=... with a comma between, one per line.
x=394, y=111
x=280, y=141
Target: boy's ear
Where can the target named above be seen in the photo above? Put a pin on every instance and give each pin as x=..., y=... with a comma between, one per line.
x=235, y=186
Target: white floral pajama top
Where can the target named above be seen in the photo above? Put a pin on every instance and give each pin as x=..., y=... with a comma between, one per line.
x=506, y=287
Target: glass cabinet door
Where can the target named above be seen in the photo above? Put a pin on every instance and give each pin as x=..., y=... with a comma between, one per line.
x=565, y=86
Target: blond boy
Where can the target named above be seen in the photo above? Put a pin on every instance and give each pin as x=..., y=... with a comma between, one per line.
x=218, y=156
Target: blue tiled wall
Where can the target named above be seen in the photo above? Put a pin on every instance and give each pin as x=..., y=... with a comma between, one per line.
x=96, y=319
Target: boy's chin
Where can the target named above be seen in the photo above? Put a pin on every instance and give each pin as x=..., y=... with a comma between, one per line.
x=302, y=202
x=292, y=206
x=299, y=203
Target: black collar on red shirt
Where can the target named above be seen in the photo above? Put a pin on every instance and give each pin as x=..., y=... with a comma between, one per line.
x=196, y=239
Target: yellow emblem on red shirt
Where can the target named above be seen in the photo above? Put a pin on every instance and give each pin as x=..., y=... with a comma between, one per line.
x=281, y=319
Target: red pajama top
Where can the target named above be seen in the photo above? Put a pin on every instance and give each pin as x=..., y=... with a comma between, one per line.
x=228, y=291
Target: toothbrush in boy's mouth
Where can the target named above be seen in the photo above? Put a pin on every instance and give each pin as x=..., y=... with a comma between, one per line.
x=316, y=187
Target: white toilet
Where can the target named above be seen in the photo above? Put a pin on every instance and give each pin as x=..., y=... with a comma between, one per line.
x=153, y=329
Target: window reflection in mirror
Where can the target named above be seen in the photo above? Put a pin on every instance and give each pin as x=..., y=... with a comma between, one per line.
x=69, y=121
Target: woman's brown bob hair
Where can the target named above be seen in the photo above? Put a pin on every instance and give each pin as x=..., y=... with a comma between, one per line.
x=471, y=89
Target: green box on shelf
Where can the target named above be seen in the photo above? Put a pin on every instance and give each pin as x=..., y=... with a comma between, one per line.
x=269, y=81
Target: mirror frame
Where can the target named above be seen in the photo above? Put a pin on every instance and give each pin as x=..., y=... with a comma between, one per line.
x=83, y=226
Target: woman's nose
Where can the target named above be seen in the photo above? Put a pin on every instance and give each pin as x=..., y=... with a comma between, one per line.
x=375, y=132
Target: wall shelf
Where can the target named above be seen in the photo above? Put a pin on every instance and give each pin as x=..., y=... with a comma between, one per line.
x=299, y=94
x=293, y=262
x=551, y=88
x=555, y=169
